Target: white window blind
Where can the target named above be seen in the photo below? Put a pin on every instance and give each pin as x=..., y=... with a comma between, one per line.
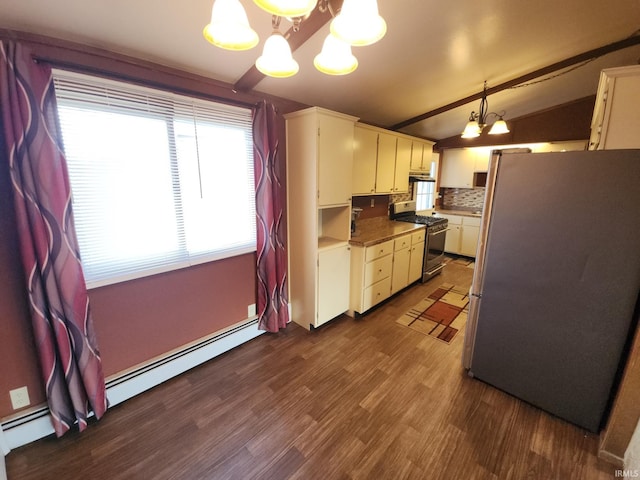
x=159, y=181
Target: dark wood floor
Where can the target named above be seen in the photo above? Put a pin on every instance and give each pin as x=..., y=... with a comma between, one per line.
x=356, y=399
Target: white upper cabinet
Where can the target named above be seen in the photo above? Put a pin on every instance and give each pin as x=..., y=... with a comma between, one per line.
x=365, y=153
x=421, y=155
x=403, y=162
x=335, y=159
x=386, y=165
x=382, y=160
x=417, y=151
x=616, y=116
x=459, y=164
x=457, y=168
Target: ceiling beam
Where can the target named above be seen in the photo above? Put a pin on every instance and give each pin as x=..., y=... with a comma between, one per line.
x=591, y=54
x=307, y=29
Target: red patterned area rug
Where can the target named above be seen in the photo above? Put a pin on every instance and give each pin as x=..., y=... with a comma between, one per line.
x=441, y=315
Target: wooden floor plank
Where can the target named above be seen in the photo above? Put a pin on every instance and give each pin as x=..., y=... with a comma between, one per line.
x=357, y=398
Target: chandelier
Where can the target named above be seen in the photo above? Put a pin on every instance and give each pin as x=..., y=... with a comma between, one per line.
x=477, y=121
x=358, y=23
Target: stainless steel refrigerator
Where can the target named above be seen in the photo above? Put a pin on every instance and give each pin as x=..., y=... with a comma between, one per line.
x=557, y=278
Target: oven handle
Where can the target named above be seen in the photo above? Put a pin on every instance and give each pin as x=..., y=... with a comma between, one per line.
x=438, y=232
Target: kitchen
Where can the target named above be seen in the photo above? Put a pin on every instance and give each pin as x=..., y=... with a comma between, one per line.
x=383, y=251
x=229, y=270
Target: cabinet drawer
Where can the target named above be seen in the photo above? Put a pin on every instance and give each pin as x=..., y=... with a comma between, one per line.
x=417, y=237
x=376, y=293
x=402, y=242
x=453, y=219
x=377, y=270
x=471, y=221
x=379, y=250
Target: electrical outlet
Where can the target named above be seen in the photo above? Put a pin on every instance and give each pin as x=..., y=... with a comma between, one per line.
x=251, y=310
x=19, y=398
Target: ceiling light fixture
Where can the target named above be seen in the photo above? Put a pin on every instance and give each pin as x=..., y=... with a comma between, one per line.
x=477, y=121
x=276, y=59
x=358, y=23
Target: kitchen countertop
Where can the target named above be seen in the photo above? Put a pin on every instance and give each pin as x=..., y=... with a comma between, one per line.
x=463, y=213
x=371, y=231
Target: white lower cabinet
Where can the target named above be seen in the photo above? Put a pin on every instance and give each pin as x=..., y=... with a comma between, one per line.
x=401, y=261
x=452, y=240
x=417, y=256
x=469, y=239
x=462, y=235
x=370, y=275
x=333, y=283
x=380, y=270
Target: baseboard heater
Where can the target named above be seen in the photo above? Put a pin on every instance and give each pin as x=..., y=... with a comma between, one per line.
x=36, y=423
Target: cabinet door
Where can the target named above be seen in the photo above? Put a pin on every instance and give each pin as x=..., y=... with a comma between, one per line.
x=386, y=163
x=415, y=262
x=457, y=168
x=416, y=155
x=400, y=276
x=621, y=117
x=403, y=162
x=335, y=160
x=333, y=283
x=452, y=240
x=365, y=151
x=469, y=241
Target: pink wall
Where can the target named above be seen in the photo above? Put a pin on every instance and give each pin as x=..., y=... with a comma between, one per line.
x=144, y=318
x=140, y=319
x=135, y=321
x=18, y=365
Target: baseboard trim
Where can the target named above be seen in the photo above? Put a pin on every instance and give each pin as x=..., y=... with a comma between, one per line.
x=611, y=458
x=36, y=423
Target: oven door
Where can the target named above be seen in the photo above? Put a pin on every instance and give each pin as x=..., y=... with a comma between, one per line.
x=434, y=253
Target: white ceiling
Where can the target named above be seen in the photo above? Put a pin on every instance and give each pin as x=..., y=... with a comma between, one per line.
x=434, y=53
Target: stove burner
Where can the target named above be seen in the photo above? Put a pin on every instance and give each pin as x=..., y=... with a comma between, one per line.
x=421, y=219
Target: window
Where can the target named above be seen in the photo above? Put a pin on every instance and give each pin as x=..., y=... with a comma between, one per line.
x=159, y=181
x=424, y=195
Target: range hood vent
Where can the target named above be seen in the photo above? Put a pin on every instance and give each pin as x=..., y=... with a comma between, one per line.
x=420, y=177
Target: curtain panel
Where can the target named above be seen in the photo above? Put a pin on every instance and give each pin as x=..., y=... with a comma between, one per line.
x=61, y=318
x=272, y=307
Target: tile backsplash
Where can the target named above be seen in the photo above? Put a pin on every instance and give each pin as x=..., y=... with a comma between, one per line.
x=462, y=198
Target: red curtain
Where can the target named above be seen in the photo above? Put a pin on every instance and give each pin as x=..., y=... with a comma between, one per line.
x=61, y=319
x=272, y=308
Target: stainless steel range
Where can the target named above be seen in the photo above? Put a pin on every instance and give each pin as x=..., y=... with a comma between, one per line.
x=434, y=240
